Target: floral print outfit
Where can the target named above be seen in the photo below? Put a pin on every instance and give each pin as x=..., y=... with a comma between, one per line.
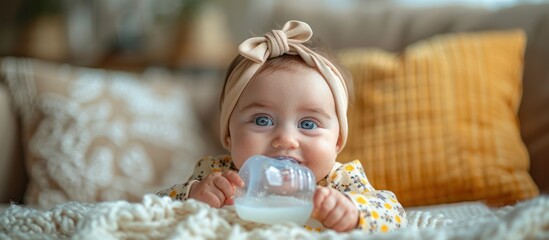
x=380, y=210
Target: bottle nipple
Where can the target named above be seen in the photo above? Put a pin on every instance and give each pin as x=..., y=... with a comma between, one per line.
x=289, y=159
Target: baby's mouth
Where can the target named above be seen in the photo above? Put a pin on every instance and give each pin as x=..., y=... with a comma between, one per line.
x=286, y=158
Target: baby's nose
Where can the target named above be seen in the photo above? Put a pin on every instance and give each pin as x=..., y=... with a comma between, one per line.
x=285, y=139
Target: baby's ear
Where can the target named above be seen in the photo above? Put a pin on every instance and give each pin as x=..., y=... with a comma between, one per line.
x=339, y=144
x=228, y=139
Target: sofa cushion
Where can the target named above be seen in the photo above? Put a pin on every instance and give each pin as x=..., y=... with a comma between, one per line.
x=438, y=122
x=13, y=178
x=94, y=135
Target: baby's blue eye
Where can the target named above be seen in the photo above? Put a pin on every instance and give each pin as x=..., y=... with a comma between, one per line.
x=307, y=124
x=263, y=121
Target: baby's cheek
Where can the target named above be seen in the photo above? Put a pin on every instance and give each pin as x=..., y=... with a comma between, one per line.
x=321, y=171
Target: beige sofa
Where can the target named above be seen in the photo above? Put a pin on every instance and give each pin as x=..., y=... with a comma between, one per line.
x=395, y=28
x=391, y=29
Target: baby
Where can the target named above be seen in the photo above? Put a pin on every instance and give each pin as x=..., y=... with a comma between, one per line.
x=282, y=99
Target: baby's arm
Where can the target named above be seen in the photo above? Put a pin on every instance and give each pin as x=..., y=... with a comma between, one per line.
x=203, y=183
x=181, y=191
x=379, y=211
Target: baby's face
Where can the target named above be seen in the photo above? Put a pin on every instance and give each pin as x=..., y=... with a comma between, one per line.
x=288, y=112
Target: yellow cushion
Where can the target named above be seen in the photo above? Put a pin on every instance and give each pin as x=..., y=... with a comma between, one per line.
x=437, y=123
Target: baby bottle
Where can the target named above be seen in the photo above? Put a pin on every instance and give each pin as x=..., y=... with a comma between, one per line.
x=276, y=190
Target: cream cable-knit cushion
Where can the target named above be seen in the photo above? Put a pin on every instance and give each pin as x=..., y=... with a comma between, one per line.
x=97, y=135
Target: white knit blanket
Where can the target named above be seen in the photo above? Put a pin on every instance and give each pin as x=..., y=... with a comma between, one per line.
x=162, y=218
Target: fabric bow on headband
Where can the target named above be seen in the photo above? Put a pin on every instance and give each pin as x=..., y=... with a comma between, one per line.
x=288, y=40
x=277, y=42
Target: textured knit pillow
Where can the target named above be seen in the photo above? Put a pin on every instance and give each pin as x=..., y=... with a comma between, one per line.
x=95, y=135
x=437, y=123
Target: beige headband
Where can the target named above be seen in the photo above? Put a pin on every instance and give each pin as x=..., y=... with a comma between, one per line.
x=289, y=40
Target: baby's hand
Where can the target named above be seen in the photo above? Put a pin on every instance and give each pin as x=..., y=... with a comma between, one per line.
x=334, y=210
x=217, y=189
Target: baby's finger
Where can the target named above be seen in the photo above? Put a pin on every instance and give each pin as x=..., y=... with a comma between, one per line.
x=214, y=198
x=324, y=202
x=325, y=210
x=346, y=223
x=320, y=194
x=229, y=201
x=334, y=217
x=224, y=186
x=318, y=198
x=234, y=178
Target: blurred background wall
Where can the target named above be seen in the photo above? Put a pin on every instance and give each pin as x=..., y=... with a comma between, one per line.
x=190, y=35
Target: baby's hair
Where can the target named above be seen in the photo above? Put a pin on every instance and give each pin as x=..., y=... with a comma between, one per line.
x=286, y=61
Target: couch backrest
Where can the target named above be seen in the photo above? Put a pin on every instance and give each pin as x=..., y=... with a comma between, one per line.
x=390, y=29
x=393, y=28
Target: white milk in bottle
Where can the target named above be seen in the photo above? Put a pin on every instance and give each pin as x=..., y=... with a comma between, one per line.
x=275, y=191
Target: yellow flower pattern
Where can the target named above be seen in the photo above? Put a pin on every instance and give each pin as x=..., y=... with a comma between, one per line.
x=380, y=210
